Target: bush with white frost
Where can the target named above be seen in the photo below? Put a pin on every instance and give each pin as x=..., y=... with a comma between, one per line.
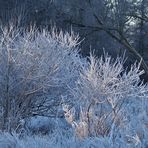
x=111, y=101
x=36, y=69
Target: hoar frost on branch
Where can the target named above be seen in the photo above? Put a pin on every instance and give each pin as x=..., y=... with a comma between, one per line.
x=106, y=95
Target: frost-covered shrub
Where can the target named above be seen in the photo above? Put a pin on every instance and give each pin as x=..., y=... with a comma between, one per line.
x=110, y=100
x=36, y=69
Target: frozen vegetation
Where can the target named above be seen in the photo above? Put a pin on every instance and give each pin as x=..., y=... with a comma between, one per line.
x=51, y=97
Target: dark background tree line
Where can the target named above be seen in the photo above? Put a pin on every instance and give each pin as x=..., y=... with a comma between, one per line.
x=115, y=26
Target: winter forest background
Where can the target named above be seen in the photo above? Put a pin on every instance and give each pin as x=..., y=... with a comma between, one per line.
x=73, y=73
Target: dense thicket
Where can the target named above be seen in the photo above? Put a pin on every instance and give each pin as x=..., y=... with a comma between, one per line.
x=46, y=87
